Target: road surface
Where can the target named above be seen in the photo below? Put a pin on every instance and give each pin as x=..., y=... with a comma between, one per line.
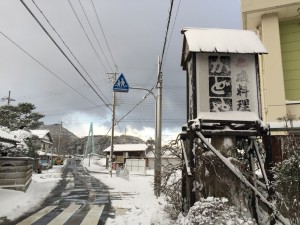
x=78, y=199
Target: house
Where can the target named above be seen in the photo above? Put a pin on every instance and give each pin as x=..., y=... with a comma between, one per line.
x=45, y=150
x=138, y=157
x=277, y=25
x=122, y=152
x=167, y=159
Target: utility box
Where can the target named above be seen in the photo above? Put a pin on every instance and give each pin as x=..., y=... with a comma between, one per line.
x=222, y=74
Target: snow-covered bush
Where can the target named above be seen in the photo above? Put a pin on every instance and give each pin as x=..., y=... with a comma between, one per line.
x=21, y=148
x=171, y=181
x=287, y=186
x=287, y=174
x=214, y=211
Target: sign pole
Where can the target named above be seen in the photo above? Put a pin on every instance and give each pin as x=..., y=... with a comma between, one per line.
x=120, y=85
x=112, y=127
x=112, y=133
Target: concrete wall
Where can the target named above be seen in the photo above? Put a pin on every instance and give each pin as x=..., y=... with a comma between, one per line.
x=15, y=172
x=273, y=72
x=265, y=17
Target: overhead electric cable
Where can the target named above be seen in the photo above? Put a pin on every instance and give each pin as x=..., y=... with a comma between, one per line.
x=173, y=27
x=160, y=64
x=98, y=19
x=63, y=53
x=68, y=48
x=90, y=25
x=46, y=68
x=99, y=58
x=165, y=39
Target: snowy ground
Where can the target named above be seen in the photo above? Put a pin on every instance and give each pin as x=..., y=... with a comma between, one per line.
x=140, y=206
x=15, y=203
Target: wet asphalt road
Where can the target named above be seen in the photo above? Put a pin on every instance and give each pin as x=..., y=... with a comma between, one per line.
x=78, y=192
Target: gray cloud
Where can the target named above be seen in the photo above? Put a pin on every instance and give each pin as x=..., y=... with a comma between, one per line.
x=135, y=31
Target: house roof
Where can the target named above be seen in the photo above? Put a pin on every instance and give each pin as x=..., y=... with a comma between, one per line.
x=165, y=155
x=41, y=153
x=127, y=148
x=7, y=137
x=42, y=133
x=221, y=40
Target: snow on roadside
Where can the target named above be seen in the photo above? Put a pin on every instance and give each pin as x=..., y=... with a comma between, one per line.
x=14, y=204
x=138, y=204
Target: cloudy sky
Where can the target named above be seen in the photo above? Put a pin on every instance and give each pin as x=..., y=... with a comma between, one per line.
x=96, y=35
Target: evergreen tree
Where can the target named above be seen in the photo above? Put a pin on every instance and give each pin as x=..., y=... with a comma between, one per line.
x=22, y=115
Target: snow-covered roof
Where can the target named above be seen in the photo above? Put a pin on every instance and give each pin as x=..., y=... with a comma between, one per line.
x=44, y=135
x=127, y=148
x=167, y=154
x=40, y=133
x=4, y=135
x=21, y=134
x=222, y=41
x=41, y=153
x=283, y=126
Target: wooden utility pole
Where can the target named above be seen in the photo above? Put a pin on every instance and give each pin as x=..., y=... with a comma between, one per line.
x=58, y=146
x=113, y=122
x=158, y=133
x=9, y=99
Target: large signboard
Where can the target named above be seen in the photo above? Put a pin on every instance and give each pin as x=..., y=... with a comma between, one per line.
x=226, y=82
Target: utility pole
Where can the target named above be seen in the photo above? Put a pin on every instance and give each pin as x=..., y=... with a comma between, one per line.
x=9, y=99
x=112, y=126
x=58, y=146
x=158, y=131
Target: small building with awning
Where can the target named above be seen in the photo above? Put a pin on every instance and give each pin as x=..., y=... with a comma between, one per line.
x=127, y=151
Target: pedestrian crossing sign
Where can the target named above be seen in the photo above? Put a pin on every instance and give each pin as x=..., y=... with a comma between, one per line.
x=121, y=84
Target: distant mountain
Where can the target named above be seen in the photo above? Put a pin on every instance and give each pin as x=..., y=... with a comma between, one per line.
x=101, y=142
x=70, y=144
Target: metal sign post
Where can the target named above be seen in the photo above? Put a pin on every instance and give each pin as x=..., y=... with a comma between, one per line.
x=120, y=85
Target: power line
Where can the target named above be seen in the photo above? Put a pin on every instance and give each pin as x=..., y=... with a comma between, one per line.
x=99, y=58
x=103, y=33
x=173, y=26
x=165, y=39
x=68, y=48
x=160, y=63
x=51, y=72
x=44, y=29
x=94, y=34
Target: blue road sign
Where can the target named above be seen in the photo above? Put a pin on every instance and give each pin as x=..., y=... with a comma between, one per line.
x=121, y=84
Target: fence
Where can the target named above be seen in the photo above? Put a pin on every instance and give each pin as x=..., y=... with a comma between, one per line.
x=15, y=172
x=136, y=165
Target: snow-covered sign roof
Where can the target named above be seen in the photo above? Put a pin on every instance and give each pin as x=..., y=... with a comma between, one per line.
x=127, y=148
x=222, y=41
